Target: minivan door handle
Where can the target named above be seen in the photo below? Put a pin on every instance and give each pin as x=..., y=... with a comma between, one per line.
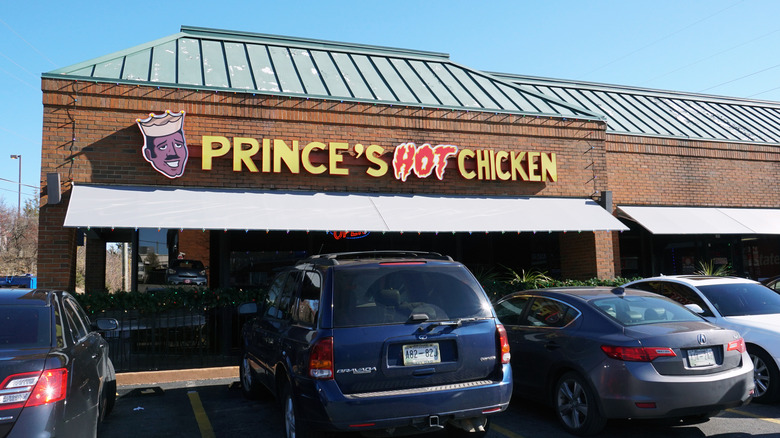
x=552, y=345
x=424, y=372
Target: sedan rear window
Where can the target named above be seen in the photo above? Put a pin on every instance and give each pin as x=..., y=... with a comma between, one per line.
x=24, y=327
x=636, y=310
x=393, y=294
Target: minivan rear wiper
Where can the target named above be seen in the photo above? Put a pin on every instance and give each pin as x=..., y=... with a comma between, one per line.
x=422, y=317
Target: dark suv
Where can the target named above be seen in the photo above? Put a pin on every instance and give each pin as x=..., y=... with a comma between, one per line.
x=381, y=342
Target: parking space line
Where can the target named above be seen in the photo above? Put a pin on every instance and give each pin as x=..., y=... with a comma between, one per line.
x=200, y=415
x=748, y=414
x=504, y=431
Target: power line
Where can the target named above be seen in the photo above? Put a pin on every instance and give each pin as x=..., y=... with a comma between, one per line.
x=661, y=39
x=28, y=43
x=712, y=56
x=739, y=78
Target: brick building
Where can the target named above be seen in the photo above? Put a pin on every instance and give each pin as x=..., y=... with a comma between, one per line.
x=248, y=151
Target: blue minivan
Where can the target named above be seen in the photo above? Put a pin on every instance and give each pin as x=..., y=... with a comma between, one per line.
x=387, y=343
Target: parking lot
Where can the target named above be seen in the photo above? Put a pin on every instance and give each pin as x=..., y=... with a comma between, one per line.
x=215, y=407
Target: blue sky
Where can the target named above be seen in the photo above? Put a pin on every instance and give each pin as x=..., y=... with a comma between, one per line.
x=719, y=47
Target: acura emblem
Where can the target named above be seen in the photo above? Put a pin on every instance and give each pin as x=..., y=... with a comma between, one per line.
x=702, y=339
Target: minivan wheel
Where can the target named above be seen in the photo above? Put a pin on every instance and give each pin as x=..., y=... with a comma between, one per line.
x=293, y=426
x=765, y=375
x=576, y=406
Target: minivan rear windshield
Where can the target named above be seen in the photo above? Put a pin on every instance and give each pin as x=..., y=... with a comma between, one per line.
x=24, y=327
x=393, y=294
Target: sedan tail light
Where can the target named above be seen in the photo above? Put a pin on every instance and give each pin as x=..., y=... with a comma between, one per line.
x=637, y=354
x=503, y=344
x=738, y=345
x=321, y=359
x=33, y=389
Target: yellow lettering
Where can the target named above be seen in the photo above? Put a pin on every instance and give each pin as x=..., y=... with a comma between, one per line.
x=266, y=155
x=334, y=158
x=307, y=165
x=502, y=156
x=533, y=166
x=462, y=156
x=209, y=152
x=549, y=167
x=288, y=154
x=483, y=164
x=241, y=155
x=517, y=166
x=373, y=155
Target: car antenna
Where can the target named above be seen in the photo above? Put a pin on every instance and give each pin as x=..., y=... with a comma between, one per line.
x=620, y=291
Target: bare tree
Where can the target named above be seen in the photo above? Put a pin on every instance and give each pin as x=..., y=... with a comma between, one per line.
x=19, y=239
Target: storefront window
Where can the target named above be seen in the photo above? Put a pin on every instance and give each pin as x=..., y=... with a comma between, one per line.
x=153, y=255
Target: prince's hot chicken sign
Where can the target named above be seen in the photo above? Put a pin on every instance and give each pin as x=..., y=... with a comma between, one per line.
x=165, y=148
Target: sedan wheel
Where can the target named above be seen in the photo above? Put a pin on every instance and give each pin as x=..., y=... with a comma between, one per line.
x=576, y=406
x=249, y=386
x=765, y=376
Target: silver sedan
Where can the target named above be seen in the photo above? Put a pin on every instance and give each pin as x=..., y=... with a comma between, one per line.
x=599, y=353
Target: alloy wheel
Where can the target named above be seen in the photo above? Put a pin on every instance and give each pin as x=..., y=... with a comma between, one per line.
x=760, y=375
x=572, y=404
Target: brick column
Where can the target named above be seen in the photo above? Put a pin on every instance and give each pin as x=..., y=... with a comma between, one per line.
x=56, y=250
x=587, y=255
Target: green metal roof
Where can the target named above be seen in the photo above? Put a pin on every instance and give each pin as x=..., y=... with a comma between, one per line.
x=659, y=113
x=199, y=58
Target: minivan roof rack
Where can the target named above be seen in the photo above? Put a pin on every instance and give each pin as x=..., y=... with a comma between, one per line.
x=388, y=254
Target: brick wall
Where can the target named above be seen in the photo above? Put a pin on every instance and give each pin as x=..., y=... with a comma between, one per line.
x=656, y=171
x=90, y=136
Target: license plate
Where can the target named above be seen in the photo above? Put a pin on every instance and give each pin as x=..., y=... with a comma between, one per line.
x=421, y=354
x=701, y=357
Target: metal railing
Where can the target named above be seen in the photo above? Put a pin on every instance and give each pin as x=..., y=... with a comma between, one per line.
x=175, y=339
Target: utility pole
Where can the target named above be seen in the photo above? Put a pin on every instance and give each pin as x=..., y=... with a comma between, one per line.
x=19, y=202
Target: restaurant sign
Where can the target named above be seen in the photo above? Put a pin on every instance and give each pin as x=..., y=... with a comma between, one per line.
x=276, y=155
x=165, y=148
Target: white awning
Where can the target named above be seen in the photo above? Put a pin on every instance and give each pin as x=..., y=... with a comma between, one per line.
x=704, y=220
x=193, y=208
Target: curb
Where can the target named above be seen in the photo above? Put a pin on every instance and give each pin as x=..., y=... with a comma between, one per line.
x=168, y=376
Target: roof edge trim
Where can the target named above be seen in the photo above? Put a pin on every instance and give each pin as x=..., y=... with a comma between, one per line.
x=281, y=39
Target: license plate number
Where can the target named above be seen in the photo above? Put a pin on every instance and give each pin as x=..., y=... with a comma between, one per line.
x=421, y=354
x=701, y=357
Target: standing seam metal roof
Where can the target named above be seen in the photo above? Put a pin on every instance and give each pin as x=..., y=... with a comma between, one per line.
x=640, y=111
x=200, y=58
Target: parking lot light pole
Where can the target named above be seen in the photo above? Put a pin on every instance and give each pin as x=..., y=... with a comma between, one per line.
x=19, y=202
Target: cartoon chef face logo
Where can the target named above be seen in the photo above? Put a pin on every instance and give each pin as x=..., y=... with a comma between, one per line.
x=164, y=145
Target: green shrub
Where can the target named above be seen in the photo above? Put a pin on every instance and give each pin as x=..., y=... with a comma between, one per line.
x=164, y=299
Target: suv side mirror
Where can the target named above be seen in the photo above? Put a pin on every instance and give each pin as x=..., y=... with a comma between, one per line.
x=247, y=309
x=105, y=324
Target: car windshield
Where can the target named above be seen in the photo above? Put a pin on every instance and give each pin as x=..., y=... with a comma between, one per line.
x=393, y=294
x=24, y=327
x=738, y=299
x=638, y=310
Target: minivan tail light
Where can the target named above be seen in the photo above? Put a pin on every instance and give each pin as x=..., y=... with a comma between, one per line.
x=503, y=344
x=34, y=389
x=738, y=345
x=637, y=354
x=321, y=359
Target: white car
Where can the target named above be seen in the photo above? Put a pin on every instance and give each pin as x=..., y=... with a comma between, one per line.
x=738, y=304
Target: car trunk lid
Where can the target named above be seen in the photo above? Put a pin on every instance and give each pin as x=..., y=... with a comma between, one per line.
x=699, y=348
